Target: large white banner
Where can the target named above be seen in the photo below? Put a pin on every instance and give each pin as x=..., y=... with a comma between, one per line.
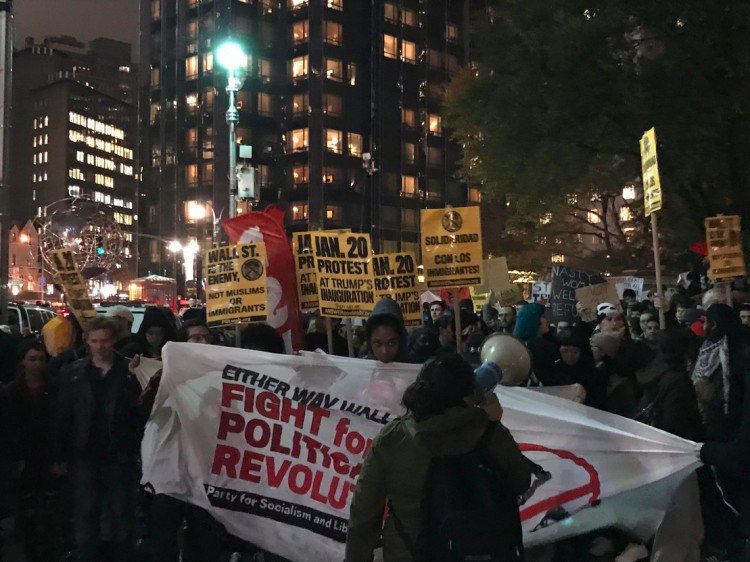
x=272, y=445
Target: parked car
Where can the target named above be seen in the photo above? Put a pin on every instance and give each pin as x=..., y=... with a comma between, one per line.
x=31, y=317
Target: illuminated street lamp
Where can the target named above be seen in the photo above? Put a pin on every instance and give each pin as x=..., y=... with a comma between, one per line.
x=231, y=56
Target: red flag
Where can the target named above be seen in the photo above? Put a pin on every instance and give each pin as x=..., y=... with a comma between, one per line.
x=283, y=308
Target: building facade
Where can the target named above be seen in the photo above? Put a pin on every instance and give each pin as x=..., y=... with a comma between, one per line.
x=340, y=103
x=75, y=132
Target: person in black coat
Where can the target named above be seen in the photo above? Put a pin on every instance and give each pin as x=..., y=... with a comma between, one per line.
x=29, y=405
x=576, y=365
x=668, y=398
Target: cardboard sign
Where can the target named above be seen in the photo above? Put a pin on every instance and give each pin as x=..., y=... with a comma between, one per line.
x=452, y=247
x=76, y=293
x=497, y=279
x=236, y=288
x=540, y=292
x=343, y=262
x=591, y=296
x=479, y=299
x=396, y=277
x=304, y=266
x=562, y=300
x=724, y=241
x=650, y=169
x=623, y=283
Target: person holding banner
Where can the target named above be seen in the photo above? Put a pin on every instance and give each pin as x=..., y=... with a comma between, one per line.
x=439, y=424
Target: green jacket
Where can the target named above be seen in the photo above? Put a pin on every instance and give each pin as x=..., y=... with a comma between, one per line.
x=396, y=466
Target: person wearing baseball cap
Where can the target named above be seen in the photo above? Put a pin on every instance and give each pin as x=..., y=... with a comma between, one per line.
x=126, y=343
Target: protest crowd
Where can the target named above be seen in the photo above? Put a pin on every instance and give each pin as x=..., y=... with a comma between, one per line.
x=72, y=415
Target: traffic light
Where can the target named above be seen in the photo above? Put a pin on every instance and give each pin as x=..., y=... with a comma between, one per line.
x=100, y=249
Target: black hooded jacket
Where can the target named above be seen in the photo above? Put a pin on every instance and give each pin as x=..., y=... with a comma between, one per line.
x=388, y=307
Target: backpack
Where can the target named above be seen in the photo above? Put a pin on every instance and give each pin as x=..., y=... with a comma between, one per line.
x=468, y=516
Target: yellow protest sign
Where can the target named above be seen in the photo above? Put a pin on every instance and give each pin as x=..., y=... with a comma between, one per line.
x=236, y=284
x=452, y=247
x=724, y=242
x=304, y=265
x=344, y=272
x=396, y=277
x=650, y=169
x=76, y=293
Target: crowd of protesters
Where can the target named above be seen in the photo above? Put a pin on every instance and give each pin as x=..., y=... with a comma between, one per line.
x=72, y=416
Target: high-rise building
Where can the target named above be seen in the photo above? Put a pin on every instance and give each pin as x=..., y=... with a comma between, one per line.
x=341, y=105
x=74, y=131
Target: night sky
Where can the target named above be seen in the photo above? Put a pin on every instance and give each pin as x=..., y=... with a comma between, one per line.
x=83, y=19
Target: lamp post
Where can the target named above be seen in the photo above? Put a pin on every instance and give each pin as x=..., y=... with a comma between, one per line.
x=233, y=59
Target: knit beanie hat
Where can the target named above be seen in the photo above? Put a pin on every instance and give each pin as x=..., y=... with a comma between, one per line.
x=527, y=321
x=608, y=343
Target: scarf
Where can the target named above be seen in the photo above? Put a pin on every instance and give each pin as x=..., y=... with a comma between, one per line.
x=711, y=357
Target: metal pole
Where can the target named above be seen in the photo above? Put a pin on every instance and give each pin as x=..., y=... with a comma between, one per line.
x=657, y=266
x=233, y=117
x=6, y=73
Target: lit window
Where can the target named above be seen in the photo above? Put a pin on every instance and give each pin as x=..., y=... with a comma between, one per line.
x=390, y=46
x=191, y=137
x=336, y=4
x=408, y=185
x=191, y=174
x=155, y=77
x=451, y=32
x=299, y=103
x=80, y=156
x=208, y=98
x=434, y=123
x=352, y=71
x=408, y=51
x=333, y=213
x=408, y=117
x=593, y=217
x=74, y=190
x=474, y=195
x=546, y=218
x=331, y=104
x=191, y=67
x=294, y=4
x=191, y=100
x=333, y=33
x=334, y=69
x=208, y=61
x=265, y=104
x=390, y=12
x=355, y=144
x=409, y=17
x=299, y=174
x=297, y=140
x=299, y=31
x=298, y=67
x=329, y=175
x=626, y=214
x=409, y=152
x=299, y=211
x=334, y=140
x=153, y=113
x=155, y=9
x=628, y=193
x=34, y=158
